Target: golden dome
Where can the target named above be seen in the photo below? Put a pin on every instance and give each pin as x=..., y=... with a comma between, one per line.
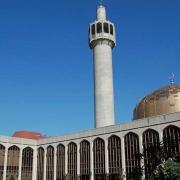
x=162, y=101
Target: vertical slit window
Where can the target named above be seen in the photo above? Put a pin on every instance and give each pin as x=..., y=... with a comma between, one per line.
x=85, y=160
x=60, y=162
x=106, y=27
x=111, y=29
x=99, y=159
x=171, y=139
x=99, y=27
x=72, y=160
x=114, y=155
x=93, y=29
x=50, y=163
x=132, y=157
x=150, y=148
x=13, y=162
x=2, y=155
x=27, y=163
x=40, y=164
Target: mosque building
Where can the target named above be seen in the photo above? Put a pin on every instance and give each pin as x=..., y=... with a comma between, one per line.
x=100, y=153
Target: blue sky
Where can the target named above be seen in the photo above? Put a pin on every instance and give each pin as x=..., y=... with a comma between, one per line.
x=46, y=66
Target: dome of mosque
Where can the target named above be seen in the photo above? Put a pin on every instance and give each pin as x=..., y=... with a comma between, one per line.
x=162, y=101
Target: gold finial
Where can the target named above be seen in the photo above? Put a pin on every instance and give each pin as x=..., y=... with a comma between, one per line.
x=171, y=78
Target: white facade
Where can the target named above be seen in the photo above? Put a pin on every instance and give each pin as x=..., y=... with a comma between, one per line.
x=138, y=127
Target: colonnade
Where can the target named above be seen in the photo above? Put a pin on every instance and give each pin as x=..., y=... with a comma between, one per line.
x=102, y=157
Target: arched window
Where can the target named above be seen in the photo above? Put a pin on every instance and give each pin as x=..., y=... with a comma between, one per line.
x=171, y=139
x=114, y=155
x=2, y=154
x=40, y=164
x=99, y=27
x=60, y=168
x=50, y=163
x=99, y=159
x=131, y=142
x=111, y=29
x=85, y=160
x=13, y=162
x=72, y=160
x=93, y=29
x=150, y=147
x=27, y=163
x=106, y=27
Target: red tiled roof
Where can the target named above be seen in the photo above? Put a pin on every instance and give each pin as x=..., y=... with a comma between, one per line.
x=28, y=135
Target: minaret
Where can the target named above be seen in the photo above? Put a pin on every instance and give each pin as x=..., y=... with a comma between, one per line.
x=102, y=40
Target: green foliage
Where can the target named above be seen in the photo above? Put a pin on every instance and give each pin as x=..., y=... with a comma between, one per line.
x=168, y=169
x=11, y=178
x=121, y=175
x=67, y=177
x=163, y=167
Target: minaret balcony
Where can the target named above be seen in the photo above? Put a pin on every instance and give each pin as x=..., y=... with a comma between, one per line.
x=101, y=30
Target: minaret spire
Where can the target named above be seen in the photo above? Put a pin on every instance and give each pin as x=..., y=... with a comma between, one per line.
x=101, y=13
x=172, y=77
x=102, y=39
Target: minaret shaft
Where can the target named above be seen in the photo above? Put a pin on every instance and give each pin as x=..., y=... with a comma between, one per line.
x=103, y=84
x=102, y=40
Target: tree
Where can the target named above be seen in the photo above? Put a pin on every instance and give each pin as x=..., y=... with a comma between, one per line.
x=168, y=169
x=162, y=165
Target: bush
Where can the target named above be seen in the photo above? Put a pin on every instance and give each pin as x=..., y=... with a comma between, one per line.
x=168, y=169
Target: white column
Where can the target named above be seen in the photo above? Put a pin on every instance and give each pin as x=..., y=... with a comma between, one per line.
x=106, y=158
x=91, y=161
x=161, y=136
x=20, y=163
x=141, y=151
x=45, y=157
x=78, y=159
x=5, y=163
x=66, y=159
x=34, y=171
x=103, y=82
x=123, y=157
x=55, y=162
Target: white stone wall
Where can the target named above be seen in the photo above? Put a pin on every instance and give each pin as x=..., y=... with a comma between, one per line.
x=139, y=126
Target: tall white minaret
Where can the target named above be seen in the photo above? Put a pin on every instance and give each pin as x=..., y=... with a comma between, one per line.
x=102, y=39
